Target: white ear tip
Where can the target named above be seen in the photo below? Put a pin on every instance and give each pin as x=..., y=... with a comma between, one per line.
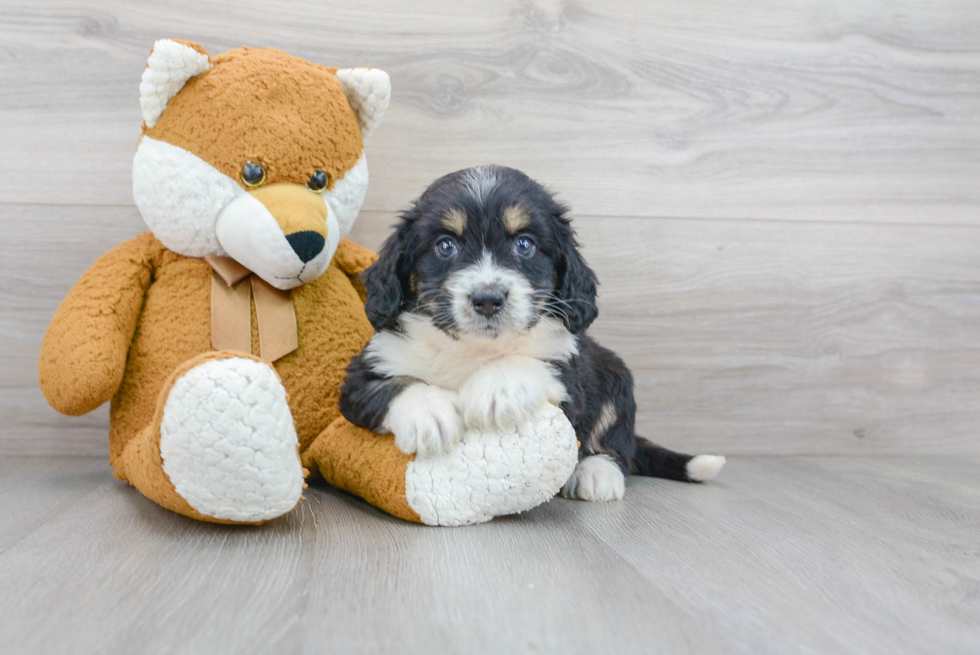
x=369, y=91
x=168, y=68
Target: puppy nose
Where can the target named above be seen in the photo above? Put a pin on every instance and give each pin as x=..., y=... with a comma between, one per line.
x=488, y=303
x=306, y=245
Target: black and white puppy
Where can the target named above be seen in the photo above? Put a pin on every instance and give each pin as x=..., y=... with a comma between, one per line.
x=480, y=300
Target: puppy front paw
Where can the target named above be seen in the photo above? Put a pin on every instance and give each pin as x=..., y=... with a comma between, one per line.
x=504, y=394
x=424, y=420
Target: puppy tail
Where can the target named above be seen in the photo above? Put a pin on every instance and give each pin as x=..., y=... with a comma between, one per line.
x=656, y=461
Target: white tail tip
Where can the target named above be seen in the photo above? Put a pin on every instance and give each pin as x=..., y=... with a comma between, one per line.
x=704, y=467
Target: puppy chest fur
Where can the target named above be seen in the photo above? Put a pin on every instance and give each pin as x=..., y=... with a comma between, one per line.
x=422, y=351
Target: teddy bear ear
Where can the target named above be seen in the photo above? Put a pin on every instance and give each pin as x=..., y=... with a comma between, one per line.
x=171, y=64
x=369, y=91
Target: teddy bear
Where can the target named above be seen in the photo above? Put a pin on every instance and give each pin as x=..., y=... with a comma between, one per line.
x=221, y=336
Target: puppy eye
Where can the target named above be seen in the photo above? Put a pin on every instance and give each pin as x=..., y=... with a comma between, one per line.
x=253, y=174
x=523, y=247
x=318, y=182
x=445, y=247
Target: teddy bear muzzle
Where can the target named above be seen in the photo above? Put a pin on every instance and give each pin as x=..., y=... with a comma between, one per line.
x=282, y=232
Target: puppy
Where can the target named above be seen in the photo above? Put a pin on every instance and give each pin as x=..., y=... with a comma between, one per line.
x=480, y=301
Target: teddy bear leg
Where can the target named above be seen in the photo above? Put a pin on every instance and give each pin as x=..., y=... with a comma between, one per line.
x=222, y=445
x=490, y=473
x=366, y=464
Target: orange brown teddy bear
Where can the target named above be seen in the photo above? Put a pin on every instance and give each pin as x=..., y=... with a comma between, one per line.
x=221, y=337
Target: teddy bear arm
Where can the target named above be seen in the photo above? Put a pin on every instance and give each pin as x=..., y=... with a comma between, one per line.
x=83, y=354
x=354, y=260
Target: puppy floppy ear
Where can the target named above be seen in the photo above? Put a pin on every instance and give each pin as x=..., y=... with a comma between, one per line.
x=386, y=281
x=576, y=283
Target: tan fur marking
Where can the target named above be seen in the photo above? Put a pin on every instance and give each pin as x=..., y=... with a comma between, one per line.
x=607, y=419
x=454, y=220
x=515, y=218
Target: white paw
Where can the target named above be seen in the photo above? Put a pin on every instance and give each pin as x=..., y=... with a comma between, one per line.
x=228, y=441
x=704, y=467
x=596, y=478
x=424, y=420
x=505, y=393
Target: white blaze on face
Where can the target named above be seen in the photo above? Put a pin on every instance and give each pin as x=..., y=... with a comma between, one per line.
x=480, y=182
x=518, y=311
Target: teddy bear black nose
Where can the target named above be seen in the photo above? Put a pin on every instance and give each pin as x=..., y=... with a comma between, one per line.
x=306, y=245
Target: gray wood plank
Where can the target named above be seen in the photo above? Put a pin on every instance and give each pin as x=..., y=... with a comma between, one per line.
x=858, y=111
x=811, y=539
x=845, y=555
x=34, y=491
x=743, y=336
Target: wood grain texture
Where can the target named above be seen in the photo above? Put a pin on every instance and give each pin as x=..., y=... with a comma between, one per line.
x=849, y=555
x=803, y=110
x=743, y=336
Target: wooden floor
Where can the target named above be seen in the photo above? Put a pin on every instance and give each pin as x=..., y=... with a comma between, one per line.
x=779, y=555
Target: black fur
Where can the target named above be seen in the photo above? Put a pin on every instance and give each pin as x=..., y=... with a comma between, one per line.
x=366, y=395
x=386, y=281
x=408, y=277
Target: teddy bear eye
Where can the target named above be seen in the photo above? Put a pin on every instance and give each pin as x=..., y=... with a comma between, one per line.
x=318, y=182
x=253, y=174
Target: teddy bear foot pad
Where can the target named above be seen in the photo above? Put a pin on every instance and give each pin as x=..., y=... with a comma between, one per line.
x=228, y=442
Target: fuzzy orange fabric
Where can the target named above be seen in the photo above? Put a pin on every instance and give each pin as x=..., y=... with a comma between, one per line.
x=115, y=309
x=366, y=464
x=83, y=357
x=231, y=114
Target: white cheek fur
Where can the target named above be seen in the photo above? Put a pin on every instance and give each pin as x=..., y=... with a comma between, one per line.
x=180, y=197
x=347, y=196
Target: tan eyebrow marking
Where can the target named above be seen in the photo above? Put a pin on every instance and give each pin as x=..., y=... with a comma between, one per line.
x=515, y=218
x=454, y=220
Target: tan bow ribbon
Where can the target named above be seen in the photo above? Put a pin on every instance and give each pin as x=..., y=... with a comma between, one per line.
x=231, y=311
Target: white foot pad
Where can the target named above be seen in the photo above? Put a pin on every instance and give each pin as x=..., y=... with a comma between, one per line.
x=494, y=472
x=597, y=478
x=228, y=441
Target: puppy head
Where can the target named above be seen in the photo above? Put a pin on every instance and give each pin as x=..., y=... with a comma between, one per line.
x=484, y=252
